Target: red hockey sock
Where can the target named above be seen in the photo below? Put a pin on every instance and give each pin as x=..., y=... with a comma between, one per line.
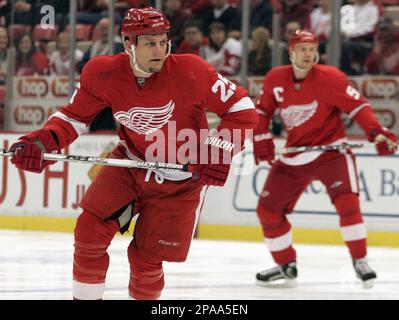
x=146, y=275
x=352, y=226
x=91, y=261
x=277, y=233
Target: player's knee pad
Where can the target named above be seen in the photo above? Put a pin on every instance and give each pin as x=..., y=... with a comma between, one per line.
x=273, y=223
x=146, y=275
x=92, y=238
x=93, y=231
x=348, y=208
x=268, y=217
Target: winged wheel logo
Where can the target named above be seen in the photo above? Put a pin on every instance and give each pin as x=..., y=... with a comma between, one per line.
x=145, y=120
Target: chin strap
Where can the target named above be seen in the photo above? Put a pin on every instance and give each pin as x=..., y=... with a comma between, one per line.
x=299, y=69
x=136, y=65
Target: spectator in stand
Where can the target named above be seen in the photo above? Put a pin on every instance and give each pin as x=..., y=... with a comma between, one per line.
x=223, y=53
x=29, y=61
x=221, y=11
x=365, y=20
x=4, y=43
x=104, y=120
x=193, y=38
x=101, y=46
x=289, y=30
x=126, y=4
x=295, y=10
x=320, y=20
x=358, y=35
x=320, y=26
x=261, y=14
x=198, y=8
x=384, y=59
x=59, y=60
x=177, y=16
x=259, y=57
x=138, y=3
x=24, y=12
x=92, y=11
x=3, y=12
x=122, y=5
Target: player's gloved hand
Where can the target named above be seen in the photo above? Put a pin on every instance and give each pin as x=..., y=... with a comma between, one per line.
x=29, y=150
x=216, y=171
x=386, y=143
x=263, y=147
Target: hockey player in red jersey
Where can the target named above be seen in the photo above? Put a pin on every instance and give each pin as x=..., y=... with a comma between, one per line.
x=148, y=90
x=311, y=98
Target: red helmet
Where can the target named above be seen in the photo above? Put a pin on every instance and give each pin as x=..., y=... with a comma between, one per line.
x=301, y=36
x=143, y=21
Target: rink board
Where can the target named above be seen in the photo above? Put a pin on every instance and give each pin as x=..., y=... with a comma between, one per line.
x=49, y=201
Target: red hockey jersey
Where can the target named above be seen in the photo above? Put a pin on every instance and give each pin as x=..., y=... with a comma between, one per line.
x=181, y=93
x=311, y=109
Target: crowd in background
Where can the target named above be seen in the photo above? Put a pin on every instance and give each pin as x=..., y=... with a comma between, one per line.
x=209, y=28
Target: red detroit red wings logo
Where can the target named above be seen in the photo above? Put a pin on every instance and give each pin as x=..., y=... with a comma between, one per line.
x=145, y=120
x=295, y=115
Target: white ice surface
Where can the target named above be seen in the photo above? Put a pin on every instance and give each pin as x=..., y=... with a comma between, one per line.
x=38, y=265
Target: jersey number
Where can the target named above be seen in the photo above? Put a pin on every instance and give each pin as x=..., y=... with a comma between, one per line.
x=351, y=91
x=221, y=84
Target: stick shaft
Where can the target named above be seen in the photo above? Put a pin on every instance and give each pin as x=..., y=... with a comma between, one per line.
x=106, y=161
x=362, y=145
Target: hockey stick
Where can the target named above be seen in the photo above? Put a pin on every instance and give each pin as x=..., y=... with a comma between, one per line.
x=107, y=161
x=331, y=147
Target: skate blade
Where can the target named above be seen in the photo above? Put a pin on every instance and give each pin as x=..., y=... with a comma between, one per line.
x=281, y=283
x=368, y=284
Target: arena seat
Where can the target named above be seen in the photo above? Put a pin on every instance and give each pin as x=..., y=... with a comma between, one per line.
x=82, y=31
x=16, y=29
x=41, y=34
x=97, y=33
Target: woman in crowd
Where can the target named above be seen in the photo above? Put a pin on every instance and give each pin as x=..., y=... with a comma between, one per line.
x=259, y=58
x=28, y=60
x=223, y=53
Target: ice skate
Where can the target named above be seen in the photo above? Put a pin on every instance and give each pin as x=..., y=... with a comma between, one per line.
x=364, y=272
x=283, y=276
